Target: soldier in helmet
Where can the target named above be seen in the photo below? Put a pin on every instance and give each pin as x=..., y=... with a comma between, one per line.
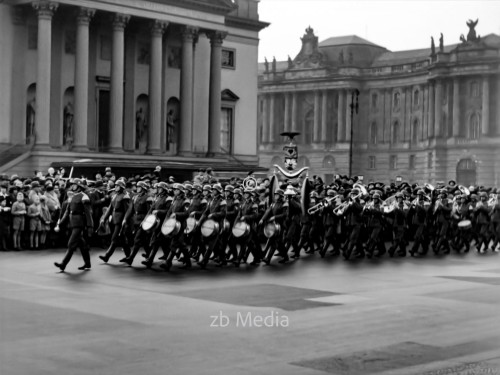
x=79, y=216
x=275, y=213
x=399, y=226
x=442, y=213
x=482, y=212
x=118, y=207
x=375, y=245
x=330, y=224
x=420, y=214
x=136, y=213
x=216, y=211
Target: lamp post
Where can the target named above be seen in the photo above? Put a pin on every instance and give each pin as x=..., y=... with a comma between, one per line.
x=354, y=107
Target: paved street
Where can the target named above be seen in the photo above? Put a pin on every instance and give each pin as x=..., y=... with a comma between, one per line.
x=437, y=315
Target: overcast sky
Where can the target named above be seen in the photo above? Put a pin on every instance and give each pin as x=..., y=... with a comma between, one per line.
x=394, y=24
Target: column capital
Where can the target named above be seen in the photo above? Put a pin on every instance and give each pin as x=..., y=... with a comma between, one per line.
x=45, y=9
x=189, y=33
x=216, y=36
x=158, y=27
x=120, y=21
x=84, y=15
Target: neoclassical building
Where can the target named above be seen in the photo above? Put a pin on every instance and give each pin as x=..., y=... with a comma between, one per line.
x=129, y=83
x=423, y=115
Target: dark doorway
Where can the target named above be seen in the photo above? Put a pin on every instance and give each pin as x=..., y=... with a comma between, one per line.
x=104, y=133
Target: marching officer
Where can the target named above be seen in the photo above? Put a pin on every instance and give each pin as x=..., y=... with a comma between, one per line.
x=79, y=215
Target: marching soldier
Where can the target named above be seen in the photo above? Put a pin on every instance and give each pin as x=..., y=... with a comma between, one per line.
x=420, y=218
x=354, y=221
x=136, y=213
x=249, y=213
x=330, y=224
x=277, y=213
x=118, y=207
x=399, y=227
x=482, y=213
x=79, y=215
x=375, y=222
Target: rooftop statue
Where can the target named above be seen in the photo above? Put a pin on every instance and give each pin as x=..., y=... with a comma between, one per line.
x=471, y=36
x=309, y=55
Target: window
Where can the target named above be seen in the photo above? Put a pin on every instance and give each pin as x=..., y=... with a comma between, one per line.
x=411, y=162
x=416, y=98
x=70, y=41
x=414, y=132
x=395, y=132
x=372, y=162
x=228, y=56
x=474, y=89
x=329, y=162
x=143, y=53
x=374, y=102
x=429, y=160
x=396, y=100
x=308, y=128
x=373, y=133
x=226, y=130
x=474, y=127
x=393, y=162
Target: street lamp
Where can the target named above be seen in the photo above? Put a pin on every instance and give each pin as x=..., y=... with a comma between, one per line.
x=354, y=107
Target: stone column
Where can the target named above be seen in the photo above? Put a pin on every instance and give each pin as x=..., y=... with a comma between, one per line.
x=498, y=106
x=316, y=123
x=485, y=113
x=45, y=11
x=82, y=78
x=340, y=117
x=347, y=115
x=155, y=81
x=456, y=107
x=294, y=112
x=117, y=76
x=286, y=125
x=265, y=119
x=214, y=106
x=272, y=114
x=438, y=106
x=186, y=120
x=324, y=116
x=430, y=130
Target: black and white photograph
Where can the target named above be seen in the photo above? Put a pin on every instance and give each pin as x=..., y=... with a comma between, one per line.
x=296, y=187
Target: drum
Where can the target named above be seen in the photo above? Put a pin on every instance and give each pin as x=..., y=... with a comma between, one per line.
x=191, y=222
x=209, y=227
x=271, y=229
x=464, y=225
x=170, y=227
x=149, y=223
x=241, y=229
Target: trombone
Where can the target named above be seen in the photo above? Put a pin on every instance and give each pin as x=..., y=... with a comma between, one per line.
x=321, y=205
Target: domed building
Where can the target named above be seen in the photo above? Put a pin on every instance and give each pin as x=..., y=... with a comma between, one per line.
x=423, y=115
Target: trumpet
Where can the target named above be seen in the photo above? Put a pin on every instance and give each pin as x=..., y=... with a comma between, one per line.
x=341, y=208
x=493, y=201
x=321, y=205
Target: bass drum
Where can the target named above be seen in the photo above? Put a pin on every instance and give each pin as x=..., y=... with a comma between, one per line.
x=272, y=229
x=191, y=223
x=150, y=222
x=464, y=225
x=241, y=229
x=170, y=227
x=209, y=228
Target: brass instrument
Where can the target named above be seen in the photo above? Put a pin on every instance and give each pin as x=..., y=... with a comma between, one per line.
x=429, y=187
x=341, y=208
x=439, y=203
x=321, y=205
x=464, y=190
x=493, y=201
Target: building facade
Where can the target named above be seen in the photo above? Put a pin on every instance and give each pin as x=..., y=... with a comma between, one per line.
x=129, y=81
x=420, y=116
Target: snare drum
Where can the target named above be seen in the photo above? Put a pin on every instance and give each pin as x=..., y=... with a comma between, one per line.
x=241, y=229
x=271, y=229
x=150, y=222
x=209, y=227
x=170, y=227
x=464, y=225
x=191, y=222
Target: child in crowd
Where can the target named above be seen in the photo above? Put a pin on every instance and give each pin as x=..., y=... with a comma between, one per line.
x=34, y=213
x=18, y=212
x=46, y=219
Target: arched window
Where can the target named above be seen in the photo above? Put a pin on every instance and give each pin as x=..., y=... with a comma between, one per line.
x=414, y=132
x=395, y=132
x=373, y=133
x=474, y=89
x=374, y=102
x=416, y=98
x=329, y=162
x=474, y=126
x=308, y=128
